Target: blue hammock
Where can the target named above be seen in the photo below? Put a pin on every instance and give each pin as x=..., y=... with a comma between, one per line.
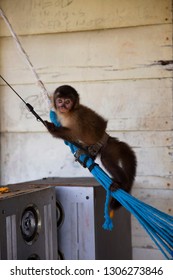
x=158, y=225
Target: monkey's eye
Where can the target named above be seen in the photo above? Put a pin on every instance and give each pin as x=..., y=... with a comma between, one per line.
x=67, y=101
x=59, y=100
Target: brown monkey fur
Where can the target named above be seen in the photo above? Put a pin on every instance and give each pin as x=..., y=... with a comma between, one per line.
x=82, y=125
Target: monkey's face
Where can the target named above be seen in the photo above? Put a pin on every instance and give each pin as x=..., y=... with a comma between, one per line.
x=64, y=105
x=65, y=99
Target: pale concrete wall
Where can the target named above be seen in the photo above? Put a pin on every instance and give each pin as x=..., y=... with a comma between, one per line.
x=110, y=52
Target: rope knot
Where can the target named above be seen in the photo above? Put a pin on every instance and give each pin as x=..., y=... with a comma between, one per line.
x=108, y=224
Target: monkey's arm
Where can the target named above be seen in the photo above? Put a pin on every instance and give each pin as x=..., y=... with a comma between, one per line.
x=60, y=132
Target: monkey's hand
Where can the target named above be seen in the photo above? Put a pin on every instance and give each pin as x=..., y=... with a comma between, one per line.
x=50, y=127
x=59, y=132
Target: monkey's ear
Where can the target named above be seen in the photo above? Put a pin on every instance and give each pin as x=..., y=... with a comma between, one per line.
x=53, y=98
x=76, y=103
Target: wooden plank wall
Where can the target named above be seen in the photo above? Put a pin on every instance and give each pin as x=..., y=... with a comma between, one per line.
x=118, y=55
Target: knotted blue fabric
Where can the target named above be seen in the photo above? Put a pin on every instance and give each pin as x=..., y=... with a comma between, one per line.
x=157, y=224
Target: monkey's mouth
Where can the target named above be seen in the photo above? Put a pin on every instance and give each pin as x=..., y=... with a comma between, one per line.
x=63, y=109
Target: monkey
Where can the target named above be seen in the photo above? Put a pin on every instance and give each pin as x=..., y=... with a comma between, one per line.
x=82, y=125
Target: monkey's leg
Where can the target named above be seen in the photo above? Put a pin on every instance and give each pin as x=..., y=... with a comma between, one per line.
x=119, y=177
x=120, y=180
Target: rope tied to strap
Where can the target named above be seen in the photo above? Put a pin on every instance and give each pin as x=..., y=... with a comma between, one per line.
x=108, y=224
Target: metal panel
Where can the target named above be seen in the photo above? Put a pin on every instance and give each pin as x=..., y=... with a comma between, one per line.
x=76, y=234
x=48, y=228
x=28, y=226
x=80, y=235
x=11, y=237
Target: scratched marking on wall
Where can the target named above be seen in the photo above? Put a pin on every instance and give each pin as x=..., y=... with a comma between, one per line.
x=37, y=103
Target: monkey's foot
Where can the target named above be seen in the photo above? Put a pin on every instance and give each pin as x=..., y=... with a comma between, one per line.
x=114, y=205
x=114, y=186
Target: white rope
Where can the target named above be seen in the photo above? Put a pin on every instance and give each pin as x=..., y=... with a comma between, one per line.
x=26, y=57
